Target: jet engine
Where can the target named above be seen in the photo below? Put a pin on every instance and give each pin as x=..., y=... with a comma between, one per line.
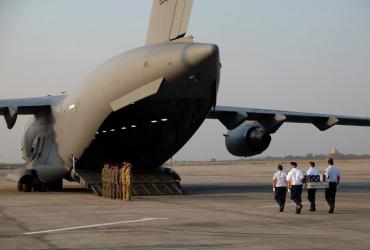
x=247, y=140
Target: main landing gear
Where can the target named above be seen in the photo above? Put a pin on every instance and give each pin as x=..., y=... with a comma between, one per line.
x=31, y=183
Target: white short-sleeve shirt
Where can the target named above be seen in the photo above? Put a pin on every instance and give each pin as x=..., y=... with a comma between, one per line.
x=312, y=171
x=280, y=178
x=332, y=172
x=295, y=176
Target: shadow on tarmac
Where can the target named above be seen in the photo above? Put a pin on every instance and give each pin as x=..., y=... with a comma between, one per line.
x=237, y=188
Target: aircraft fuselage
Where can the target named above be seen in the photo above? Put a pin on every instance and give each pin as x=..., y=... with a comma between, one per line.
x=141, y=106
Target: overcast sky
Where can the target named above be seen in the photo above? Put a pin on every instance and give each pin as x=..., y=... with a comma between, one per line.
x=294, y=55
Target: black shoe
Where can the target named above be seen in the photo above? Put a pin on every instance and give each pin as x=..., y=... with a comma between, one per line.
x=312, y=209
x=281, y=208
x=331, y=210
x=298, y=209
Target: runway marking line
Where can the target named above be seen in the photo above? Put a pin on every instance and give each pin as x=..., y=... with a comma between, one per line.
x=94, y=225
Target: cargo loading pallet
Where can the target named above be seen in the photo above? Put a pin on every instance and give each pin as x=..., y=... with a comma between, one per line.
x=142, y=184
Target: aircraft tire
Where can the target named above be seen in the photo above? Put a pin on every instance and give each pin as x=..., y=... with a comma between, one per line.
x=25, y=184
x=26, y=187
x=39, y=187
x=20, y=187
x=56, y=186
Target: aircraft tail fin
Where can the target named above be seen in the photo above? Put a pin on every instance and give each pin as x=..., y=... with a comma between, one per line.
x=169, y=20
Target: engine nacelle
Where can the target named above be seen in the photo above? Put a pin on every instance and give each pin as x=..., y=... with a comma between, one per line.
x=247, y=140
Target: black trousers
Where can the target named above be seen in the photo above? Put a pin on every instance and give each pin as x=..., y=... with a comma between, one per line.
x=330, y=193
x=280, y=194
x=296, y=194
x=311, y=196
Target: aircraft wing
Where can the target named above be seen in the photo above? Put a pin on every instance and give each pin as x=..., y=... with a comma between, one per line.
x=169, y=20
x=11, y=108
x=271, y=120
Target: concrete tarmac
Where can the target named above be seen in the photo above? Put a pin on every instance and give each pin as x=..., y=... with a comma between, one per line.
x=226, y=207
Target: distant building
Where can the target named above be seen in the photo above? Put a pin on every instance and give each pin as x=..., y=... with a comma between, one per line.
x=333, y=152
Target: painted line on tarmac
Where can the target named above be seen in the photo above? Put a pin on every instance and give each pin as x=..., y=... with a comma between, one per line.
x=290, y=204
x=94, y=225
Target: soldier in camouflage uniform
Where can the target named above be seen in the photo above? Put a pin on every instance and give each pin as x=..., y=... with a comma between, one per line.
x=103, y=177
x=128, y=176
x=122, y=181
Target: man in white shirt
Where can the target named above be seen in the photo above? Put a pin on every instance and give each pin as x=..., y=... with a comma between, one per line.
x=311, y=192
x=279, y=186
x=333, y=175
x=294, y=179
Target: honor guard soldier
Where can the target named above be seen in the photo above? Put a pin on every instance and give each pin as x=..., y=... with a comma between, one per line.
x=333, y=175
x=127, y=183
x=122, y=181
x=279, y=186
x=311, y=192
x=294, y=179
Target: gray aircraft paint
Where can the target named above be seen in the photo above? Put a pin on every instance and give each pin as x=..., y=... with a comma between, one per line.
x=73, y=123
x=117, y=78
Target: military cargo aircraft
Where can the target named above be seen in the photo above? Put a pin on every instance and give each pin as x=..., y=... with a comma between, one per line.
x=142, y=106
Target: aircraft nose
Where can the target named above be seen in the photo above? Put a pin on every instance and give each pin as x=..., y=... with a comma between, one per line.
x=199, y=53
